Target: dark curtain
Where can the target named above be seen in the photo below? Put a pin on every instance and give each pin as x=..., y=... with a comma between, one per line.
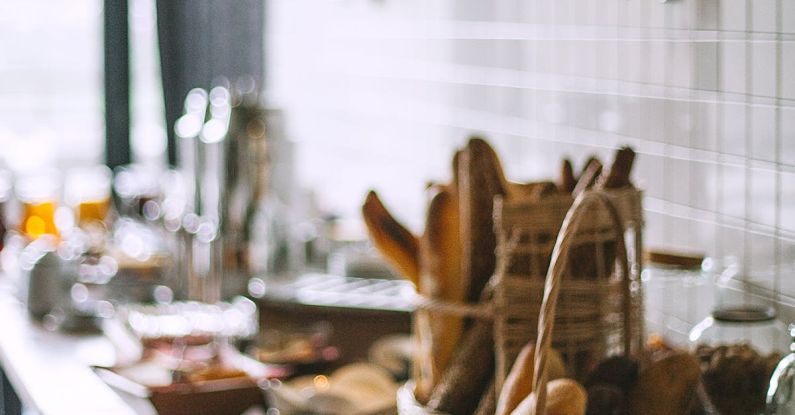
x=203, y=40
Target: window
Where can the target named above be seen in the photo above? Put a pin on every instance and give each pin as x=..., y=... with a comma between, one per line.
x=51, y=105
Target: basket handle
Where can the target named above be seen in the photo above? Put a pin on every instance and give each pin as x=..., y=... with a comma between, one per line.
x=557, y=267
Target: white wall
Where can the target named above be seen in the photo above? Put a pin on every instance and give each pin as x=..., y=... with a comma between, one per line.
x=379, y=92
x=51, y=110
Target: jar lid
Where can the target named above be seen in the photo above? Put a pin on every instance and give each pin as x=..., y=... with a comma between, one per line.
x=746, y=314
x=674, y=259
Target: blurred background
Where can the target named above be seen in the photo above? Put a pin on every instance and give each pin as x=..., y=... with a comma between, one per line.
x=378, y=94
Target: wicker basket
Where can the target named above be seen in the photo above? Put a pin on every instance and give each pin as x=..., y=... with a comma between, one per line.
x=592, y=316
x=599, y=311
x=553, y=305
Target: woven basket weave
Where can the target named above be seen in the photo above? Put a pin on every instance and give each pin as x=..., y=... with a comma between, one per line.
x=552, y=306
x=597, y=308
x=591, y=315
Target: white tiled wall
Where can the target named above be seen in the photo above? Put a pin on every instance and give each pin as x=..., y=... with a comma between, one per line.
x=379, y=92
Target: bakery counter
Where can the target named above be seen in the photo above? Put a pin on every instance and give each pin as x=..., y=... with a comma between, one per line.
x=355, y=311
x=49, y=372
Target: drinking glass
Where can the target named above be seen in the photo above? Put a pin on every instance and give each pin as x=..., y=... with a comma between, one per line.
x=39, y=196
x=87, y=191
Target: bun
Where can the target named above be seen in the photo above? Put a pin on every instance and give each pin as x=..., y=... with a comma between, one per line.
x=564, y=397
x=666, y=387
x=519, y=382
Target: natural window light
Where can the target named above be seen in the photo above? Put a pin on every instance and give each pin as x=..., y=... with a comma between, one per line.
x=50, y=83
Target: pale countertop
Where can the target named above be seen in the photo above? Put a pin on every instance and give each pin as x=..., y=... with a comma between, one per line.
x=51, y=371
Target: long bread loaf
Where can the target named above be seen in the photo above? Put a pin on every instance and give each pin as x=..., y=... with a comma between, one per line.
x=469, y=373
x=396, y=243
x=481, y=178
x=440, y=278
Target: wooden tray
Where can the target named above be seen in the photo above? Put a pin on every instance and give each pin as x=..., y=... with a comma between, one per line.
x=230, y=396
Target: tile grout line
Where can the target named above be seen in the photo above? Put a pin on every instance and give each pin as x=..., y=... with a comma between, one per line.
x=777, y=119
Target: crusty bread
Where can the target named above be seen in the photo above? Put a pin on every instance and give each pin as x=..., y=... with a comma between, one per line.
x=440, y=262
x=468, y=374
x=620, y=170
x=564, y=397
x=480, y=179
x=488, y=402
x=519, y=382
x=567, y=180
x=666, y=387
x=397, y=244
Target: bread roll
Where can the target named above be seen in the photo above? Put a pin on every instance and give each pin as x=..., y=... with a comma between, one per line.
x=666, y=387
x=519, y=382
x=619, y=371
x=564, y=397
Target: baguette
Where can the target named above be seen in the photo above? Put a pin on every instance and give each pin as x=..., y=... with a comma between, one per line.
x=481, y=178
x=469, y=372
x=396, y=243
x=583, y=263
x=567, y=181
x=440, y=262
x=488, y=402
x=619, y=174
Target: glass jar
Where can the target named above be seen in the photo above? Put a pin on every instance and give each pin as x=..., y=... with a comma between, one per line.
x=677, y=293
x=739, y=316
x=780, y=399
x=738, y=344
x=755, y=326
